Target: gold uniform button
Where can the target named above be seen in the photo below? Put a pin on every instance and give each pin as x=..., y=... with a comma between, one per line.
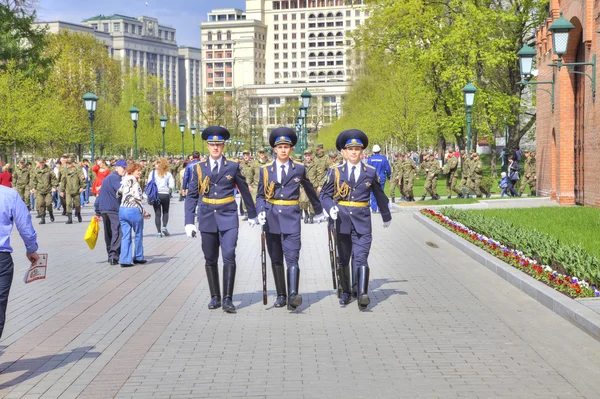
x=350, y=212
x=280, y=211
x=282, y=195
x=215, y=211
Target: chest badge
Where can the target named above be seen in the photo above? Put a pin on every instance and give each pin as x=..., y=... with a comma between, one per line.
x=368, y=184
x=297, y=180
x=229, y=177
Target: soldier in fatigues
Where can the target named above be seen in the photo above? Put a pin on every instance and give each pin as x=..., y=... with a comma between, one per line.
x=346, y=196
x=278, y=210
x=451, y=171
x=409, y=168
x=529, y=177
x=321, y=164
x=259, y=162
x=61, y=167
x=311, y=172
x=248, y=172
x=21, y=182
x=431, y=169
x=43, y=184
x=477, y=176
x=397, y=177
x=71, y=185
x=465, y=173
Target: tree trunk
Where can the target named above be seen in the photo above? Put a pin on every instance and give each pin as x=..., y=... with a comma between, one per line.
x=441, y=146
x=493, y=157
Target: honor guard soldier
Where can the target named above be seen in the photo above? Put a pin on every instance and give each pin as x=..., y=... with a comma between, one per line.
x=211, y=198
x=279, y=212
x=346, y=196
x=72, y=184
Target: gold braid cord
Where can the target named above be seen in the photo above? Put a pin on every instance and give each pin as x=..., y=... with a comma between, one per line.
x=268, y=187
x=203, y=185
x=343, y=191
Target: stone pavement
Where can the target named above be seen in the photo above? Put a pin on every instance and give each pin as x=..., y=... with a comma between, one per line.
x=439, y=325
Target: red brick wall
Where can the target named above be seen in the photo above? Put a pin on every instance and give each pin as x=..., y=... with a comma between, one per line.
x=555, y=133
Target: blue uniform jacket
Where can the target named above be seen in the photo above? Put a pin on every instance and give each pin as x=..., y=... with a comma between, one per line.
x=284, y=219
x=381, y=165
x=359, y=217
x=217, y=217
x=187, y=173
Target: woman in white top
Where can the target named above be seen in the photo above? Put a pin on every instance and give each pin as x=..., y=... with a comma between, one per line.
x=131, y=217
x=165, y=184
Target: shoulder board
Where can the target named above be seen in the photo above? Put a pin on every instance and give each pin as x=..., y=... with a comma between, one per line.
x=336, y=166
x=298, y=162
x=266, y=165
x=369, y=166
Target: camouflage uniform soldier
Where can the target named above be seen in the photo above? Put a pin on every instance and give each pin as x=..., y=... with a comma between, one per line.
x=248, y=173
x=431, y=169
x=466, y=172
x=312, y=175
x=61, y=167
x=409, y=168
x=21, y=177
x=397, y=177
x=43, y=184
x=477, y=176
x=451, y=171
x=259, y=162
x=322, y=165
x=529, y=178
x=71, y=185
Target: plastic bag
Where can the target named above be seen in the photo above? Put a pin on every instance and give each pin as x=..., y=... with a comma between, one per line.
x=91, y=234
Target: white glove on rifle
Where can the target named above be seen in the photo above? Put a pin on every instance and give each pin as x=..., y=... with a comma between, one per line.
x=253, y=222
x=387, y=224
x=333, y=212
x=320, y=218
x=262, y=218
x=190, y=230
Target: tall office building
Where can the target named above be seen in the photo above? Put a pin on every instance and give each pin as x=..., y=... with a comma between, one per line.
x=190, y=59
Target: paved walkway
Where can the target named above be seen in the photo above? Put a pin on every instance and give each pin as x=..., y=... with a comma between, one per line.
x=439, y=325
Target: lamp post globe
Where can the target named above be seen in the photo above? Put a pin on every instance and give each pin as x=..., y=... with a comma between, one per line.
x=560, y=29
x=526, y=55
x=306, y=96
x=469, y=91
x=182, y=130
x=163, y=125
x=135, y=114
x=90, y=100
x=193, y=129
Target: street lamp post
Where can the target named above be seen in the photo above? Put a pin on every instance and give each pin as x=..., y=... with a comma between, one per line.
x=163, y=125
x=469, y=90
x=526, y=55
x=306, y=96
x=182, y=130
x=91, y=100
x=135, y=114
x=193, y=129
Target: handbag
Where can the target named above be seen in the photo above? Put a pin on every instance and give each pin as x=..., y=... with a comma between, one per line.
x=91, y=234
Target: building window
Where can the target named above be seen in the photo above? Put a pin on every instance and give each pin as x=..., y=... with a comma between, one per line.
x=229, y=74
x=274, y=100
x=209, y=36
x=285, y=65
x=277, y=65
x=285, y=46
x=303, y=16
x=347, y=13
x=105, y=27
x=276, y=56
x=209, y=46
x=293, y=17
x=293, y=26
x=303, y=64
x=276, y=46
x=312, y=64
x=228, y=35
x=293, y=36
x=276, y=36
x=357, y=22
x=117, y=27
x=284, y=27
x=219, y=36
x=348, y=23
x=294, y=54
x=209, y=66
x=275, y=17
x=139, y=30
x=285, y=17
x=302, y=35
x=275, y=27
x=95, y=26
x=210, y=75
x=285, y=55
x=293, y=45
x=357, y=13
x=285, y=36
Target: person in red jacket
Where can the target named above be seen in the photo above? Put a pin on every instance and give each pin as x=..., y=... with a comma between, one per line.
x=101, y=170
x=6, y=176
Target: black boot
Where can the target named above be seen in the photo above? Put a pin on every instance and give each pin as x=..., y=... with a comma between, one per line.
x=423, y=198
x=78, y=214
x=393, y=200
x=363, y=287
x=311, y=220
x=212, y=275
x=305, y=217
x=345, y=283
x=228, y=283
x=69, y=218
x=279, y=276
x=294, y=300
x=42, y=219
x=38, y=215
x=533, y=194
x=51, y=214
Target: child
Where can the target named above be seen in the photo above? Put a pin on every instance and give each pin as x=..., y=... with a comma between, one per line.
x=503, y=184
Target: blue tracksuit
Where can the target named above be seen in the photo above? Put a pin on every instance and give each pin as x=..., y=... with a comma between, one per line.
x=384, y=171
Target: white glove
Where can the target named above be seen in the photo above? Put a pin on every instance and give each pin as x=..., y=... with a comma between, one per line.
x=320, y=218
x=387, y=224
x=333, y=212
x=262, y=218
x=190, y=230
x=252, y=222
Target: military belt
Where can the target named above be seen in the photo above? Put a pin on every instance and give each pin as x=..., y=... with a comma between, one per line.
x=283, y=202
x=218, y=201
x=354, y=204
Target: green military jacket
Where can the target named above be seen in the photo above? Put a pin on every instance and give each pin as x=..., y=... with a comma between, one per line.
x=43, y=180
x=248, y=172
x=22, y=176
x=311, y=172
x=476, y=168
x=451, y=165
x=72, y=180
x=257, y=165
x=398, y=169
x=322, y=165
x=409, y=167
x=529, y=166
x=466, y=168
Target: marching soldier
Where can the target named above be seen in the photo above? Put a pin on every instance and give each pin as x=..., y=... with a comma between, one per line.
x=477, y=176
x=21, y=178
x=311, y=173
x=397, y=177
x=248, y=172
x=259, y=162
x=431, y=167
x=212, y=185
x=278, y=210
x=62, y=164
x=529, y=177
x=346, y=195
x=321, y=164
x=72, y=184
x=43, y=184
x=451, y=171
x=409, y=168
x=465, y=173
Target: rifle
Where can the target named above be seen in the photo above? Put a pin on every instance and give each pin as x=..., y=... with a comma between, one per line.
x=332, y=255
x=263, y=259
x=337, y=260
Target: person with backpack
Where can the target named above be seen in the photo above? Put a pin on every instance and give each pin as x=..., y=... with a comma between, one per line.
x=158, y=189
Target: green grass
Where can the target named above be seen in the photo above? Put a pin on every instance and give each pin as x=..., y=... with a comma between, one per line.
x=570, y=225
x=453, y=201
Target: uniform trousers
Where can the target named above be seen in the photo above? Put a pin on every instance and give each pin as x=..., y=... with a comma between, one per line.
x=112, y=235
x=6, y=276
x=44, y=202
x=357, y=245
x=284, y=245
x=226, y=240
x=24, y=194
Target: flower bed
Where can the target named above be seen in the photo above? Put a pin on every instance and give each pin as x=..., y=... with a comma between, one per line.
x=569, y=285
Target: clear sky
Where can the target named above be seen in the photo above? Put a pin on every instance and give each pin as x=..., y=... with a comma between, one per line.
x=183, y=15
